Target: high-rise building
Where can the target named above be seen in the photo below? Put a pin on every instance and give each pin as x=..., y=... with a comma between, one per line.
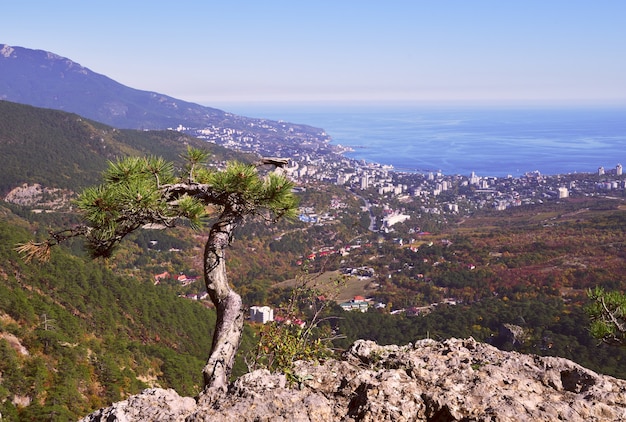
x=474, y=180
x=364, y=182
x=618, y=170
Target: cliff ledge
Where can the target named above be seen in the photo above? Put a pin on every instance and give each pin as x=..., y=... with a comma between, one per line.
x=453, y=380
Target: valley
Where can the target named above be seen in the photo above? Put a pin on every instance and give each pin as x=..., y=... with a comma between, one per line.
x=507, y=261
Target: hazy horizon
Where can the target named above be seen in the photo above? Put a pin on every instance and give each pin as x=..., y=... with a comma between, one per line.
x=483, y=52
x=278, y=110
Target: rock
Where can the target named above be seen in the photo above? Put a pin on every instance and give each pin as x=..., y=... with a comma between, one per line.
x=154, y=404
x=513, y=334
x=38, y=195
x=453, y=380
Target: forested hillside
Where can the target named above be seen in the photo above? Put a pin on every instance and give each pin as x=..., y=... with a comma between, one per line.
x=75, y=336
x=525, y=291
x=62, y=150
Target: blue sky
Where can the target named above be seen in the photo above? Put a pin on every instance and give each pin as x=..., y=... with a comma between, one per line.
x=236, y=51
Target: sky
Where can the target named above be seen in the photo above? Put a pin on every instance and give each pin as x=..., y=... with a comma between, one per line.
x=224, y=52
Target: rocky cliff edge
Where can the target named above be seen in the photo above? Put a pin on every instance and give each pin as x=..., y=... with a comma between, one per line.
x=453, y=380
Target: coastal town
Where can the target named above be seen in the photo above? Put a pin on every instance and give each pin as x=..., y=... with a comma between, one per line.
x=313, y=160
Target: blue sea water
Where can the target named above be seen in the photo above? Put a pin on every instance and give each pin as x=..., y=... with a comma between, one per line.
x=487, y=141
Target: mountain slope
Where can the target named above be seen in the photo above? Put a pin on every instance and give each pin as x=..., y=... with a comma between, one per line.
x=63, y=150
x=75, y=336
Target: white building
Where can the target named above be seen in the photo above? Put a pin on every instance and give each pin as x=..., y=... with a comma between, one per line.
x=395, y=218
x=563, y=192
x=262, y=314
x=618, y=170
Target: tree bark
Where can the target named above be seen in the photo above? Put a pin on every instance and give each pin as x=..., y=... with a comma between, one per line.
x=229, y=324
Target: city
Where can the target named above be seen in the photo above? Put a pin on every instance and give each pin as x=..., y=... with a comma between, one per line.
x=314, y=160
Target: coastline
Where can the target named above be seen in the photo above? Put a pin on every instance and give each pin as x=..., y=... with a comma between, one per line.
x=492, y=142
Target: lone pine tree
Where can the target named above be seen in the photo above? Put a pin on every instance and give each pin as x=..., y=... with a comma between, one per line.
x=146, y=190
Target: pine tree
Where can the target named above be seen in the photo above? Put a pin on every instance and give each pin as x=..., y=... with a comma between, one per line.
x=140, y=191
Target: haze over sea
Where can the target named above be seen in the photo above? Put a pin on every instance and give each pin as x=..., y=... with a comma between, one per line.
x=487, y=141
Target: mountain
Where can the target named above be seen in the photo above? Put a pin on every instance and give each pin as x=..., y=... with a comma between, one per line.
x=63, y=150
x=44, y=79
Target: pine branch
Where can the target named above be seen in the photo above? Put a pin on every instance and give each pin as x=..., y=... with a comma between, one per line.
x=40, y=251
x=611, y=315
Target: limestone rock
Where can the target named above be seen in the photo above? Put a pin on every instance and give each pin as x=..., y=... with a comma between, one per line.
x=453, y=380
x=154, y=404
x=40, y=196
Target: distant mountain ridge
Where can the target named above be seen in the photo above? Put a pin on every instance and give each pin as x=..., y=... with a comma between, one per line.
x=44, y=79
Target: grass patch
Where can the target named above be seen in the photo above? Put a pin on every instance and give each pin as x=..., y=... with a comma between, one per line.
x=354, y=286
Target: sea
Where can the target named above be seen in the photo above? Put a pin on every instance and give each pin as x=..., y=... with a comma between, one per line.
x=489, y=141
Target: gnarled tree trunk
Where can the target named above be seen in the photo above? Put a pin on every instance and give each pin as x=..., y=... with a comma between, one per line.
x=229, y=324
